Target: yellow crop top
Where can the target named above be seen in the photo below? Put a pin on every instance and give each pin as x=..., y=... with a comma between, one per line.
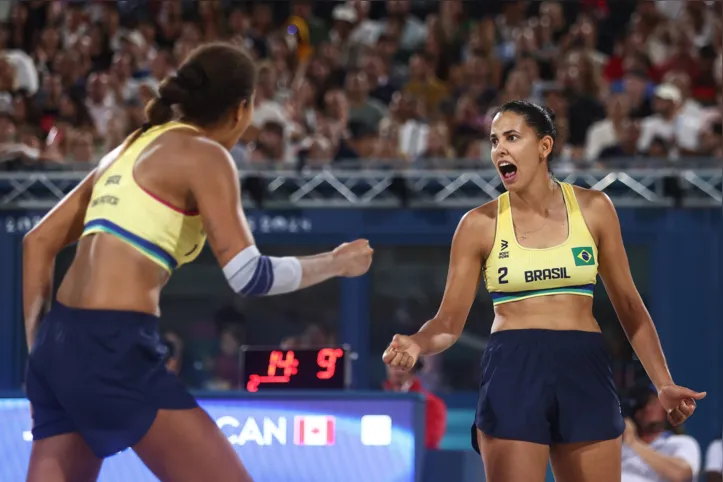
x=514, y=273
x=168, y=236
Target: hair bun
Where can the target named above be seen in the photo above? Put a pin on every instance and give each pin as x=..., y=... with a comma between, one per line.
x=191, y=78
x=171, y=91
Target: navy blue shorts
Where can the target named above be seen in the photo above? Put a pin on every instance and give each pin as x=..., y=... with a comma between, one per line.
x=547, y=387
x=101, y=374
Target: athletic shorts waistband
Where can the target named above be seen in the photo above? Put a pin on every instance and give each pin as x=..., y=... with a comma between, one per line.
x=541, y=334
x=60, y=311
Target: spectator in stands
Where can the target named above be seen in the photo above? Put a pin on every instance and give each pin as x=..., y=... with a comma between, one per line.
x=101, y=102
x=711, y=138
x=689, y=106
x=435, y=409
x=627, y=145
x=226, y=368
x=362, y=107
x=671, y=126
x=609, y=131
x=25, y=73
x=266, y=107
x=109, y=59
x=269, y=146
x=714, y=462
x=651, y=452
x=424, y=84
x=438, y=148
x=366, y=30
x=406, y=112
x=381, y=87
x=7, y=136
x=315, y=335
x=81, y=148
x=636, y=85
x=8, y=82
x=411, y=30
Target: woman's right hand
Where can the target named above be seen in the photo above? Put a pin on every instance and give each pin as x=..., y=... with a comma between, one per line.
x=401, y=353
x=353, y=259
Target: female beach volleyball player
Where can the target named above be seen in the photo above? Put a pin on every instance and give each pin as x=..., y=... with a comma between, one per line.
x=95, y=376
x=546, y=389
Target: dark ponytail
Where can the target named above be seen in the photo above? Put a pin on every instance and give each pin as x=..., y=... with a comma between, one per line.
x=213, y=82
x=159, y=110
x=179, y=89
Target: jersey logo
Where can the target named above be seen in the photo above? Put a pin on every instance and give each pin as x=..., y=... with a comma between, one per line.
x=192, y=250
x=504, y=254
x=583, y=256
x=107, y=199
x=113, y=180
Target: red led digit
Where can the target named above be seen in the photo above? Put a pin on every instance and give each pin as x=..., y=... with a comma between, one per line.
x=274, y=360
x=290, y=364
x=326, y=359
x=253, y=383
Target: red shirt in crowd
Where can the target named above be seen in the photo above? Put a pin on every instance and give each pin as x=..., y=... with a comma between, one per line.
x=435, y=413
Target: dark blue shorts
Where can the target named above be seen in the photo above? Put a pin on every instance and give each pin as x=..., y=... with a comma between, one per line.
x=547, y=387
x=101, y=374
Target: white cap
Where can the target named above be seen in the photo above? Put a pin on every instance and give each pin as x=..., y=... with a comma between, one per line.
x=668, y=92
x=345, y=13
x=135, y=37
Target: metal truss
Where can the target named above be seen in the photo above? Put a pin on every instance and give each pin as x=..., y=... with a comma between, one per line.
x=413, y=188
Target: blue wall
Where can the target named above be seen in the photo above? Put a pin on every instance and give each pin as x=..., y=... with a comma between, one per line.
x=685, y=282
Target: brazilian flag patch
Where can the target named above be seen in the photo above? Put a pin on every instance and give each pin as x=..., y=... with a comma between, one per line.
x=583, y=256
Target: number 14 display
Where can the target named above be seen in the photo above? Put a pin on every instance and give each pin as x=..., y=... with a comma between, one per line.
x=323, y=368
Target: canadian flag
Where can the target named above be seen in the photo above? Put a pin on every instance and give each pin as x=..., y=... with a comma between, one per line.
x=314, y=430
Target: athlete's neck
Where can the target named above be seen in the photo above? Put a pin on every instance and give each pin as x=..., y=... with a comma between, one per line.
x=226, y=139
x=221, y=134
x=538, y=196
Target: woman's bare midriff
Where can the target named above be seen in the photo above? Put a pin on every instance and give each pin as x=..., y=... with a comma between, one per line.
x=108, y=274
x=552, y=312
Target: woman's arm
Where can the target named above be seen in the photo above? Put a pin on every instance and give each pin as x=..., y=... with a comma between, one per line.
x=614, y=270
x=469, y=245
x=215, y=187
x=615, y=273
x=463, y=277
x=62, y=226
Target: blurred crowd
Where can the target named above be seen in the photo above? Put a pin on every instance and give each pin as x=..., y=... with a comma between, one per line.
x=393, y=82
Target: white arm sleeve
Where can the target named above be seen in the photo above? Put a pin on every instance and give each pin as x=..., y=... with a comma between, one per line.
x=250, y=273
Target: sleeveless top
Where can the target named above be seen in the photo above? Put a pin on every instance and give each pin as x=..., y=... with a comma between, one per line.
x=513, y=272
x=119, y=206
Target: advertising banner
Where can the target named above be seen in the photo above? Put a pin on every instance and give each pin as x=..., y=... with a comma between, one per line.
x=280, y=439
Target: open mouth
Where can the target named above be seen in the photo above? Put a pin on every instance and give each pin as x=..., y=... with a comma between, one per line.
x=507, y=170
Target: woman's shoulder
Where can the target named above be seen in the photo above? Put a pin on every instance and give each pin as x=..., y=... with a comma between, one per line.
x=479, y=223
x=591, y=199
x=483, y=216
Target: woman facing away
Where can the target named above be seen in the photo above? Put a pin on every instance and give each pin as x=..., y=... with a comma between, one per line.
x=95, y=377
x=546, y=390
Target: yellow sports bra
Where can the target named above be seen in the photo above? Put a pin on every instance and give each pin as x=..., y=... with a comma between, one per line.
x=514, y=273
x=166, y=235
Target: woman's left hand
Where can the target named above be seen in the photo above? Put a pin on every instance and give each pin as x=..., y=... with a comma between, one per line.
x=679, y=402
